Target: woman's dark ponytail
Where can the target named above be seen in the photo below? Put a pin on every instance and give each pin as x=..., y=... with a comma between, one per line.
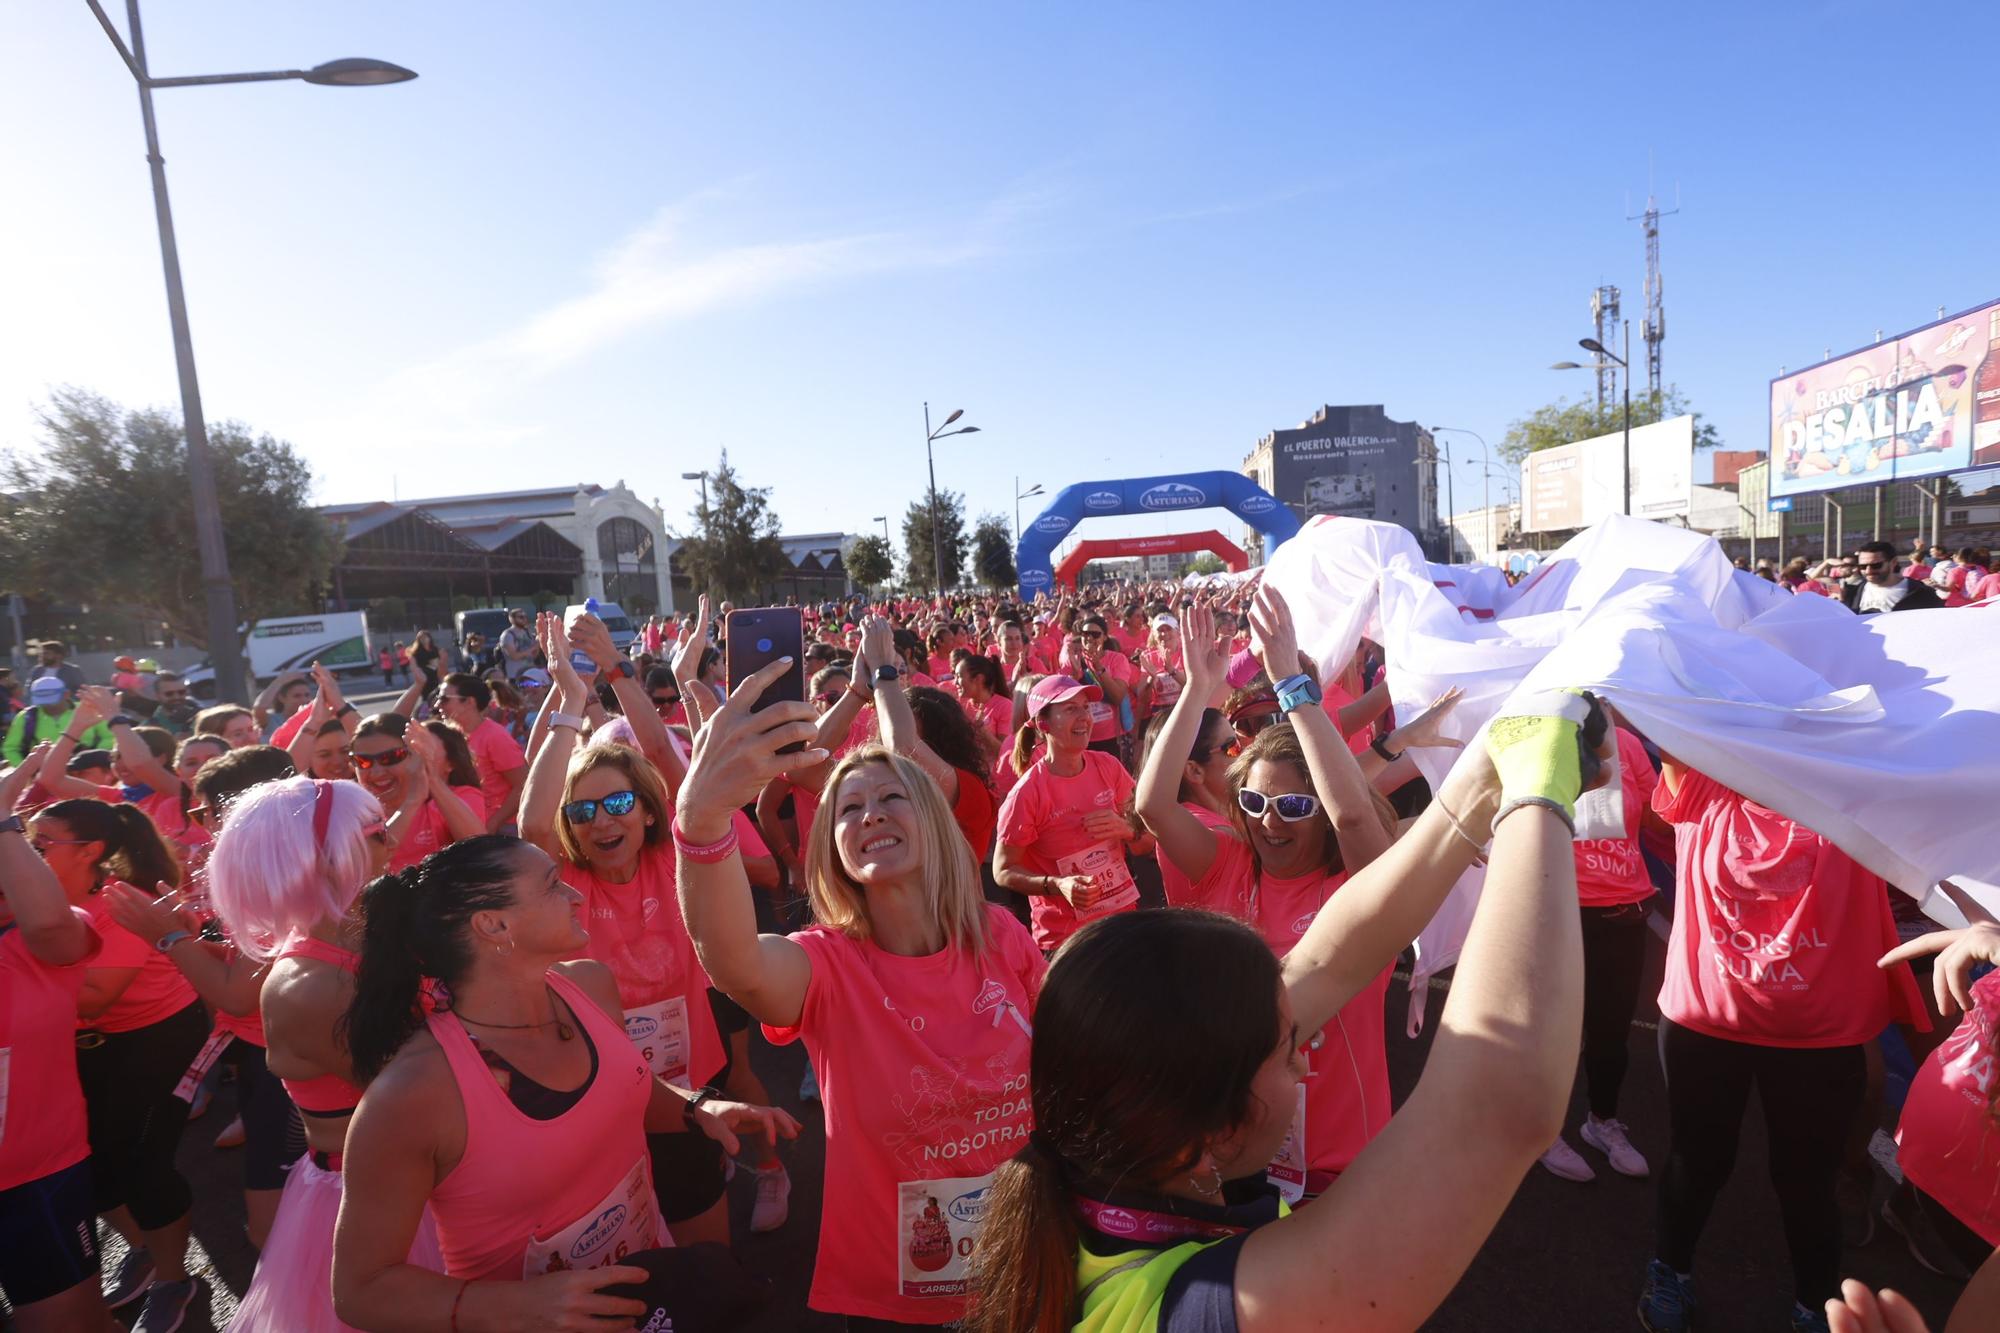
x=134, y=851
x=1024, y=1269
x=414, y=924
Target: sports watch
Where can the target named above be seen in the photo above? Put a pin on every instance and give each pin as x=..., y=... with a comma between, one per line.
x=622, y=669
x=886, y=673
x=1296, y=692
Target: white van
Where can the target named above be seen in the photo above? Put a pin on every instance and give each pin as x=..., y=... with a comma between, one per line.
x=338, y=641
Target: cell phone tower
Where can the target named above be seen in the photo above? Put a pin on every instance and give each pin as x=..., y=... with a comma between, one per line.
x=1604, y=318
x=1656, y=315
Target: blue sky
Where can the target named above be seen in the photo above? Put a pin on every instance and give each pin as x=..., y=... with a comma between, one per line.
x=602, y=241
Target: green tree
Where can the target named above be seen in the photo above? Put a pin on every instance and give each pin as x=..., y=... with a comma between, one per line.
x=1564, y=422
x=993, y=551
x=101, y=512
x=733, y=551
x=919, y=567
x=1208, y=562
x=870, y=561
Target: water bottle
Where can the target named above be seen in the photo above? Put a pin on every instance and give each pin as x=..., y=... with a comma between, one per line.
x=580, y=661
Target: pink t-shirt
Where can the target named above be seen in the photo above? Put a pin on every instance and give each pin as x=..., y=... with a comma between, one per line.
x=159, y=991
x=164, y=809
x=636, y=931
x=428, y=831
x=497, y=754
x=288, y=730
x=1988, y=586
x=996, y=715
x=41, y=1103
x=1776, y=930
x=1042, y=820
x=922, y=1066
x=1347, y=1098
x=1333, y=698
x=1179, y=889
x=1610, y=871
x=1949, y=1140
x=1104, y=720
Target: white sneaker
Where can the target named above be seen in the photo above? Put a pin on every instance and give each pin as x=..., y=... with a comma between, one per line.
x=1608, y=1137
x=1563, y=1160
x=774, y=1199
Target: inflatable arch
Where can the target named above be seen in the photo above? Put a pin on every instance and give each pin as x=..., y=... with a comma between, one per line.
x=1233, y=556
x=1146, y=495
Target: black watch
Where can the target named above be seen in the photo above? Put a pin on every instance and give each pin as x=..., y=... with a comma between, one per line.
x=622, y=669
x=693, y=1103
x=1380, y=745
x=13, y=824
x=117, y=720
x=887, y=673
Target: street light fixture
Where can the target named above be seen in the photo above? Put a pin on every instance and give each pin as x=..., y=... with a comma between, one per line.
x=931, y=437
x=701, y=477
x=1020, y=495
x=1487, y=452
x=883, y=519
x=225, y=649
x=1596, y=348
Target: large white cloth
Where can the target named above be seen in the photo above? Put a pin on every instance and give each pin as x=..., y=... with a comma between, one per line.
x=1854, y=726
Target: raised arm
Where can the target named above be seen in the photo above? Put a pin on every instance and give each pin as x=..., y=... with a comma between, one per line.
x=52, y=932
x=220, y=975
x=460, y=819
x=696, y=698
x=590, y=637
x=1400, y=1226
x=735, y=755
x=1187, y=842
x=1349, y=800
x=892, y=709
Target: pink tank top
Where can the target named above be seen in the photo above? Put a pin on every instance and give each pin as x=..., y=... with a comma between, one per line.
x=328, y=1094
x=539, y=1196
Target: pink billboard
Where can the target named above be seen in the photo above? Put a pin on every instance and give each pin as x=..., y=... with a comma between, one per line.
x=1917, y=405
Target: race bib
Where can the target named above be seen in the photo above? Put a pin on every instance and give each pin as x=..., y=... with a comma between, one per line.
x=937, y=1222
x=660, y=1031
x=1101, y=713
x=204, y=1060
x=1287, y=1171
x=622, y=1223
x=1105, y=864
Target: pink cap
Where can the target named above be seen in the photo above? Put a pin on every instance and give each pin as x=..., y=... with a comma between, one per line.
x=1243, y=668
x=1057, y=690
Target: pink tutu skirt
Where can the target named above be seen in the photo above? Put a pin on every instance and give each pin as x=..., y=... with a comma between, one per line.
x=292, y=1291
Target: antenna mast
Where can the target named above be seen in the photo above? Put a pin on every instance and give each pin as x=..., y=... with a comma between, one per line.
x=1656, y=317
x=1604, y=318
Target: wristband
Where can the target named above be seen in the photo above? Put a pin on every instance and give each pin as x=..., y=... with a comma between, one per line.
x=1478, y=851
x=167, y=941
x=73, y=740
x=1380, y=745
x=1545, y=802
x=119, y=721
x=570, y=720
x=1296, y=692
x=344, y=709
x=622, y=669
x=866, y=696
x=693, y=1104
x=454, y=1303
x=705, y=854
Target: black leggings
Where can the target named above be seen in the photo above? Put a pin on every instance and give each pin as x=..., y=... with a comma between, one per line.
x=134, y=1118
x=1614, y=957
x=1810, y=1099
x=273, y=1135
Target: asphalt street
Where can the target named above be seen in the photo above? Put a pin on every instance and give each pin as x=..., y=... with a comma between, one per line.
x=1564, y=1257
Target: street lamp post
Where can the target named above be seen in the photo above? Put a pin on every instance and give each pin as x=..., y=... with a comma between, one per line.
x=225, y=649
x=701, y=477
x=883, y=519
x=931, y=437
x=1486, y=453
x=1597, y=348
x=1020, y=495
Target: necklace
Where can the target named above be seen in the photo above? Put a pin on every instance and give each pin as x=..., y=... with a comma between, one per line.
x=564, y=1031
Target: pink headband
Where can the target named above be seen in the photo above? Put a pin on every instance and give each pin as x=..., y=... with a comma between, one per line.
x=322, y=812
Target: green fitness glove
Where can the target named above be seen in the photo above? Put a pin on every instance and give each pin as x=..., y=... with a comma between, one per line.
x=1544, y=746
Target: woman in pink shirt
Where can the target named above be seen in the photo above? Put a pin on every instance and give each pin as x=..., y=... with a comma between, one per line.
x=426, y=781
x=912, y=996
x=1066, y=826
x=1770, y=983
x=511, y=1104
x=1307, y=820
x=49, y=1268
x=984, y=693
x=1017, y=659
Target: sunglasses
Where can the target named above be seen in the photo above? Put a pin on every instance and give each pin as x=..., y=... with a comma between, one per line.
x=1867, y=565
x=382, y=759
x=1292, y=806
x=172, y=696
x=830, y=698
x=42, y=845
x=376, y=833
x=617, y=803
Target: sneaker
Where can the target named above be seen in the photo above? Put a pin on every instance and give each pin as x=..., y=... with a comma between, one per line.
x=232, y=1135
x=166, y=1306
x=1912, y=1221
x=1608, y=1137
x=1808, y=1321
x=1564, y=1161
x=809, y=1086
x=774, y=1199
x=134, y=1275
x=1667, y=1305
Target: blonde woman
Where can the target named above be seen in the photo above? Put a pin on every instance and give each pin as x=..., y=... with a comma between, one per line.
x=912, y=996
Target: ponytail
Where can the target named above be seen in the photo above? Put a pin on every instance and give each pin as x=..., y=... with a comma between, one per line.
x=1024, y=1265
x=415, y=927
x=134, y=851
x=1025, y=740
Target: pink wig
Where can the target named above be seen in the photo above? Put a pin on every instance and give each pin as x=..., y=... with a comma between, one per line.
x=291, y=856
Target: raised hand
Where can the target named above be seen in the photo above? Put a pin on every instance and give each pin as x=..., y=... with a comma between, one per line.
x=94, y=703
x=878, y=641
x=1272, y=638
x=592, y=638
x=1203, y=656
x=555, y=646
x=150, y=918
x=737, y=752
x=1958, y=951
x=687, y=656
x=1422, y=730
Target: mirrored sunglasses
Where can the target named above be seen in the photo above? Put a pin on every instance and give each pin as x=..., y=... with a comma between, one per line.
x=616, y=803
x=1292, y=806
x=381, y=759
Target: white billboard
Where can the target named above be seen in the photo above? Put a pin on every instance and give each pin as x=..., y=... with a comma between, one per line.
x=1575, y=485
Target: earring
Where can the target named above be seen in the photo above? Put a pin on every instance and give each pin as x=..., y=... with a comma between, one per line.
x=506, y=952
x=1213, y=1191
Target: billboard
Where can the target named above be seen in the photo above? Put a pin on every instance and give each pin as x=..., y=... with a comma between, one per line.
x=1353, y=462
x=1917, y=405
x=1575, y=485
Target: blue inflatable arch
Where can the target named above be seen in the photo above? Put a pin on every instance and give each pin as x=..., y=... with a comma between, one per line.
x=1145, y=495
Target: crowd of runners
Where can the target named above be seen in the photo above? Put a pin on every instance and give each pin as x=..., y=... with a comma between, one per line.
x=1097, y=899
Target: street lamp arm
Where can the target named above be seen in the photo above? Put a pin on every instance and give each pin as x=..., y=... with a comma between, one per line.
x=117, y=42
x=196, y=80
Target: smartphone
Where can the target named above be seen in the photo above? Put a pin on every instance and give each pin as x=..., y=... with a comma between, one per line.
x=758, y=636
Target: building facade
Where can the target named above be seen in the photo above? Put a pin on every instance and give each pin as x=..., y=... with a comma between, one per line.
x=1354, y=462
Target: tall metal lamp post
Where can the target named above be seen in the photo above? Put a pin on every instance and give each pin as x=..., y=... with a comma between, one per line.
x=1596, y=348
x=225, y=649
x=701, y=477
x=931, y=437
x=1020, y=495
x=1488, y=454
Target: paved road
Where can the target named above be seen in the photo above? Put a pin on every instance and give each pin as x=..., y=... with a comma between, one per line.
x=1564, y=1257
